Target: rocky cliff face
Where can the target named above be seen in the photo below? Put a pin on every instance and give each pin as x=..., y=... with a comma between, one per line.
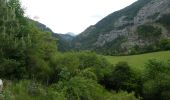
x=155, y=7
x=126, y=23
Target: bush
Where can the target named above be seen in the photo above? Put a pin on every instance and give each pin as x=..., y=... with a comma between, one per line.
x=29, y=90
x=88, y=73
x=98, y=64
x=156, y=80
x=79, y=88
x=165, y=44
x=10, y=69
x=124, y=96
x=68, y=65
x=122, y=78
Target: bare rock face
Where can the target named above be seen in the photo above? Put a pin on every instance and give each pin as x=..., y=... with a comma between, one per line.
x=122, y=21
x=147, y=14
x=105, y=38
x=158, y=7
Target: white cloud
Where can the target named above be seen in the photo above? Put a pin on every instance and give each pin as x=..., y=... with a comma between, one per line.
x=64, y=16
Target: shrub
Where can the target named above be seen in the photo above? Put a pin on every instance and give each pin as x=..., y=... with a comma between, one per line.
x=157, y=80
x=87, y=64
x=79, y=88
x=88, y=73
x=29, y=90
x=123, y=96
x=122, y=78
x=165, y=44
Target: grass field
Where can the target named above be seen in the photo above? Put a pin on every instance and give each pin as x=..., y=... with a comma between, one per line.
x=138, y=61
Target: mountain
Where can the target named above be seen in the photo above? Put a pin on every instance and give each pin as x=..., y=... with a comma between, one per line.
x=66, y=37
x=71, y=34
x=63, y=40
x=41, y=26
x=141, y=27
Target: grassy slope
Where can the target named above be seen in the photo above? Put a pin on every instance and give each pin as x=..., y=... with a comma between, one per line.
x=138, y=61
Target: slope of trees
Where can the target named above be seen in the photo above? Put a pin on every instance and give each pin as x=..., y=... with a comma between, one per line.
x=23, y=47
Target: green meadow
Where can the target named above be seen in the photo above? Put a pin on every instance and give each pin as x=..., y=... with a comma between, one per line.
x=138, y=61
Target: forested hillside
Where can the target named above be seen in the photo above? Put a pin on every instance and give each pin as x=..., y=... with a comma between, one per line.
x=32, y=68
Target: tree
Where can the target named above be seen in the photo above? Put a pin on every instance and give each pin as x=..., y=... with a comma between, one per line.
x=157, y=80
x=16, y=5
x=148, y=31
x=164, y=44
x=11, y=47
x=122, y=78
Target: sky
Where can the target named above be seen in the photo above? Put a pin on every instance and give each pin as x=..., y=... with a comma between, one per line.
x=74, y=16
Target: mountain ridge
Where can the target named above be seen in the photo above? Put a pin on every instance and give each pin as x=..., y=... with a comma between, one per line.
x=119, y=31
x=141, y=27
x=63, y=40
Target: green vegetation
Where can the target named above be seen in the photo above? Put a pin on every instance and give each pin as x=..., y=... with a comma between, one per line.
x=165, y=44
x=113, y=47
x=124, y=96
x=148, y=31
x=30, y=90
x=151, y=82
x=154, y=16
x=154, y=45
x=165, y=21
x=33, y=69
x=123, y=77
x=151, y=37
x=157, y=80
x=138, y=61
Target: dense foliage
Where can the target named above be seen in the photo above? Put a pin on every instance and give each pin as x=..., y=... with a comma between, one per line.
x=25, y=50
x=157, y=80
x=165, y=44
x=123, y=77
x=32, y=68
x=148, y=31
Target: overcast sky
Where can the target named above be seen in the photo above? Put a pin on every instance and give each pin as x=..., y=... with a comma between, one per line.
x=75, y=16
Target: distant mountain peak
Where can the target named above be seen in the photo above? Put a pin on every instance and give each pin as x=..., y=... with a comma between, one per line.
x=70, y=33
